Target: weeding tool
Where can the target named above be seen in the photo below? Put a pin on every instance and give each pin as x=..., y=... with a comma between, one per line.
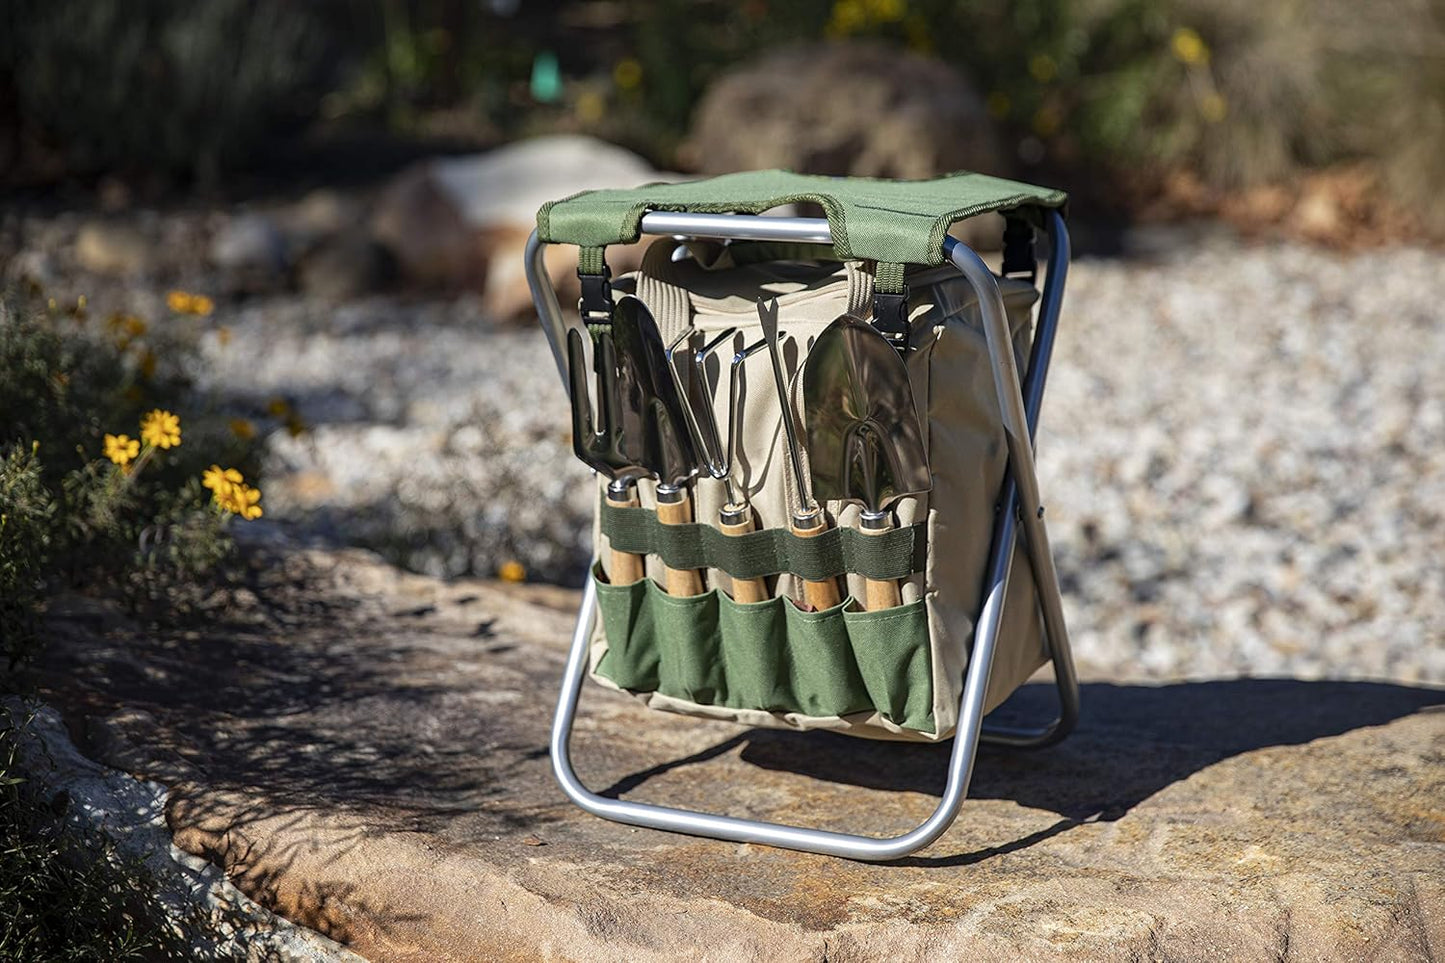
x=736, y=517
x=864, y=440
x=808, y=518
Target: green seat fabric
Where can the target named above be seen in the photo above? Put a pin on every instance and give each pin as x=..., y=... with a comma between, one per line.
x=875, y=220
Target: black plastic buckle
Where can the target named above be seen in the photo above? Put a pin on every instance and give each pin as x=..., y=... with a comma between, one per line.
x=1018, y=250
x=596, y=304
x=890, y=318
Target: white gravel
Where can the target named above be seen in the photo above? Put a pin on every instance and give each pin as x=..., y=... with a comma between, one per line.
x=1243, y=452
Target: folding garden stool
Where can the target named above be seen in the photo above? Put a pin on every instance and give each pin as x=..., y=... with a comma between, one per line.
x=893, y=224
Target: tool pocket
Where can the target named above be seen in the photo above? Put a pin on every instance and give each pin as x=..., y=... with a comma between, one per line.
x=769, y=657
x=893, y=673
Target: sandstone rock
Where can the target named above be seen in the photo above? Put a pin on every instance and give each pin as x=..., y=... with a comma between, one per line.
x=345, y=266
x=113, y=248
x=321, y=213
x=461, y=222
x=372, y=762
x=130, y=814
x=854, y=108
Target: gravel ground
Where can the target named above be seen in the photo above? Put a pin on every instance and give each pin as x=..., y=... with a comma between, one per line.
x=1242, y=450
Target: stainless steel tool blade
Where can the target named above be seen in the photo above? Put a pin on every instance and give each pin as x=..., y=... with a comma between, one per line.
x=655, y=430
x=864, y=440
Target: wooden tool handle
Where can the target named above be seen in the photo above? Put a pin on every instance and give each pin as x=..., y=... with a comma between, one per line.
x=879, y=594
x=626, y=568
x=679, y=512
x=745, y=589
x=821, y=594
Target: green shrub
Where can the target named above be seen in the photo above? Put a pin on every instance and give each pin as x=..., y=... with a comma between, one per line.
x=68, y=894
x=86, y=499
x=160, y=84
x=82, y=506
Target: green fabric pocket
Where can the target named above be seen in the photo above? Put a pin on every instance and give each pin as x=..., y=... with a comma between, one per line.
x=687, y=641
x=757, y=667
x=770, y=656
x=897, y=670
x=822, y=675
x=631, y=659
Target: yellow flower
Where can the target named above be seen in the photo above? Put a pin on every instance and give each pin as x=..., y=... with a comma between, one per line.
x=1214, y=107
x=627, y=74
x=848, y=16
x=161, y=429
x=886, y=11
x=121, y=449
x=512, y=571
x=1189, y=47
x=590, y=107
x=243, y=429
x=183, y=302
x=220, y=480
x=1043, y=68
x=241, y=500
x=278, y=407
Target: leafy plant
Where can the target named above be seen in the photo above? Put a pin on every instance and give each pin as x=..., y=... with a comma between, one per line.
x=68, y=894
x=84, y=503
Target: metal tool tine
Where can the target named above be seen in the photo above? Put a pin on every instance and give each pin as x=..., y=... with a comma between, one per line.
x=734, y=416
x=583, y=432
x=712, y=445
x=768, y=317
x=609, y=401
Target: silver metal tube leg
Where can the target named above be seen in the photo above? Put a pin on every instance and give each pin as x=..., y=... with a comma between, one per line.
x=1022, y=476
x=965, y=746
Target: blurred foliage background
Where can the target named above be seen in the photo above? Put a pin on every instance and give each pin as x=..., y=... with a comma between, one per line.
x=1127, y=93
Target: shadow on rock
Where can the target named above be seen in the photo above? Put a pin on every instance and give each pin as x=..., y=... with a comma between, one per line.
x=1131, y=742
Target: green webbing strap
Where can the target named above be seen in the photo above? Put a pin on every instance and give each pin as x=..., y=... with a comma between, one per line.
x=888, y=278
x=892, y=555
x=591, y=260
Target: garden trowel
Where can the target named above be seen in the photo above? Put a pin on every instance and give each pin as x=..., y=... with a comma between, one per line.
x=864, y=440
x=663, y=444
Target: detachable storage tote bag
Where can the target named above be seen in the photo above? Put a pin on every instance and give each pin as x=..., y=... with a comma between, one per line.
x=896, y=673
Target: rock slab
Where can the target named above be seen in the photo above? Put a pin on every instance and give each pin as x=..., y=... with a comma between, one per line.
x=130, y=813
x=366, y=752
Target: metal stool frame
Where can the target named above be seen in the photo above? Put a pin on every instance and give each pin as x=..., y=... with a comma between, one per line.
x=1019, y=509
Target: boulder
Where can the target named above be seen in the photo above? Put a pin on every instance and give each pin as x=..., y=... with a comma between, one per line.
x=129, y=815
x=846, y=108
x=462, y=222
x=856, y=108
x=343, y=266
x=114, y=248
x=365, y=752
